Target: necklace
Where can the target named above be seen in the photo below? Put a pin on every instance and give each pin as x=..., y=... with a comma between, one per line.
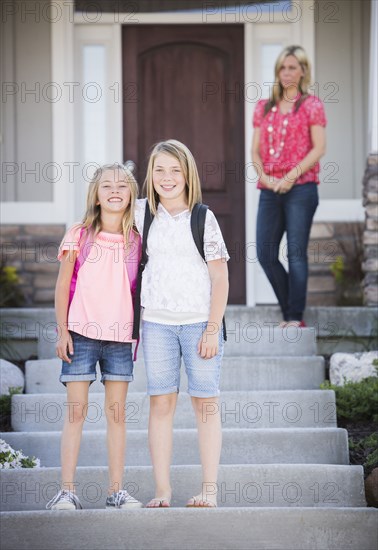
x=277, y=143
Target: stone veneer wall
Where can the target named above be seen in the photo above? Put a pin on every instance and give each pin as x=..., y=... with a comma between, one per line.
x=370, y=265
x=32, y=250
x=328, y=240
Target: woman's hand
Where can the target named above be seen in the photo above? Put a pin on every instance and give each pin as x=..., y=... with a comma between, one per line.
x=208, y=346
x=269, y=182
x=64, y=345
x=283, y=185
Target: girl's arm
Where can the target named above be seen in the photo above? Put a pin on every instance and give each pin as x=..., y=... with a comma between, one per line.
x=318, y=139
x=208, y=345
x=265, y=180
x=62, y=294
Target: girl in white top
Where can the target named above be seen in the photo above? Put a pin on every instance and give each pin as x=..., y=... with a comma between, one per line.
x=183, y=300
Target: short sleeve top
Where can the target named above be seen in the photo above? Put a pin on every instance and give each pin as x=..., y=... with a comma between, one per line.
x=101, y=306
x=297, y=141
x=176, y=278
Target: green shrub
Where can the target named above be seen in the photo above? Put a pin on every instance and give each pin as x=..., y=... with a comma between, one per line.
x=10, y=293
x=5, y=409
x=356, y=401
x=366, y=451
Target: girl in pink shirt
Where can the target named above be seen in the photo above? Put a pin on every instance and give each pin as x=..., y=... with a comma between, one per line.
x=288, y=141
x=93, y=302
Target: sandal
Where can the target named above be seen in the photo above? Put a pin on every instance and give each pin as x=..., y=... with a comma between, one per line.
x=163, y=503
x=194, y=503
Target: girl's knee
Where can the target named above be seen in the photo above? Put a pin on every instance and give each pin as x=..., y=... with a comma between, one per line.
x=163, y=405
x=76, y=413
x=115, y=413
x=205, y=406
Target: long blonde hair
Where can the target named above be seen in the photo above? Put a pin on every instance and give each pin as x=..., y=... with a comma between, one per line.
x=304, y=84
x=188, y=166
x=92, y=216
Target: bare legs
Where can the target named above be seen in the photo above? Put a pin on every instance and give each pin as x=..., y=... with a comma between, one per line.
x=160, y=436
x=77, y=406
x=210, y=444
x=162, y=409
x=115, y=399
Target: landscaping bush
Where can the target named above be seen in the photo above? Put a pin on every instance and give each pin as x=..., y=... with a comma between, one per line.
x=6, y=408
x=356, y=401
x=357, y=411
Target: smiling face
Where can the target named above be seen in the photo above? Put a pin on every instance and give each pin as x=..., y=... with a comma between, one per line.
x=113, y=193
x=168, y=179
x=290, y=72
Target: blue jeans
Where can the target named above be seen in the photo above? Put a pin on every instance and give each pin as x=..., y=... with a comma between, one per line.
x=115, y=360
x=291, y=212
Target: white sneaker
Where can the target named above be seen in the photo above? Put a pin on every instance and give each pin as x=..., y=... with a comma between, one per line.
x=122, y=499
x=64, y=500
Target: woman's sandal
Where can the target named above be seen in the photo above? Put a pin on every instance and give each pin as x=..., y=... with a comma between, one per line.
x=194, y=503
x=163, y=503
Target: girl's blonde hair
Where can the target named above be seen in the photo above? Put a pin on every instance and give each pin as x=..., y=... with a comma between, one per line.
x=92, y=216
x=188, y=166
x=304, y=83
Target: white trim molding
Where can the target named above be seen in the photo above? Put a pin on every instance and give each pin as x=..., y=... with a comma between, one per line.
x=59, y=211
x=340, y=210
x=373, y=77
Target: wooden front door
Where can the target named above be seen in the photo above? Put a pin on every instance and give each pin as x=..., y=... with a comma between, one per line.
x=186, y=82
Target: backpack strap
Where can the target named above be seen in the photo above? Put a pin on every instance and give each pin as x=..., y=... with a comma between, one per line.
x=197, y=224
x=148, y=219
x=85, y=245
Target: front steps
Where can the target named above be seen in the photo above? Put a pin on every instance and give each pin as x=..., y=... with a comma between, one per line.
x=241, y=409
x=238, y=373
x=239, y=485
x=240, y=446
x=285, y=482
x=188, y=529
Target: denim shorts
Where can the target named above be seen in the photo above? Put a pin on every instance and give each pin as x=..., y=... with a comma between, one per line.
x=163, y=347
x=115, y=359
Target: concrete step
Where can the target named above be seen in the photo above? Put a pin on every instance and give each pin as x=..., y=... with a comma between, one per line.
x=238, y=409
x=217, y=529
x=238, y=373
x=315, y=485
x=240, y=446
x=244, y=337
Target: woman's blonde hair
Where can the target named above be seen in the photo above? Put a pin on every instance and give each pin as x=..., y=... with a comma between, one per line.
x=92, y=216
x=304, y=83
x=188, y=166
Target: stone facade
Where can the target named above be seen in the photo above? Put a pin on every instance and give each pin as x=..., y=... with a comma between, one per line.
x=330, y=242
x=370, y=264
x=32, y=250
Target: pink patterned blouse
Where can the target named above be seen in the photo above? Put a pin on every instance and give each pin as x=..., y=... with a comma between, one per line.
x=286, y=139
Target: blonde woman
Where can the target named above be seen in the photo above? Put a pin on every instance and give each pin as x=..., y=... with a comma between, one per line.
x=183, y=299
x=93, y=302
x=288, y=141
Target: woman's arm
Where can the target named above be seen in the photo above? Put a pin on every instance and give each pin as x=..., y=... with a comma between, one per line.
x=267, y=181
x=208, y=346
x=62, y=294
x=318, y=139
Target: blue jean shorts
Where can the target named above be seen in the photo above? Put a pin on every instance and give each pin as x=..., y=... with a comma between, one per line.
x=163, y=347
x=115, y=359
